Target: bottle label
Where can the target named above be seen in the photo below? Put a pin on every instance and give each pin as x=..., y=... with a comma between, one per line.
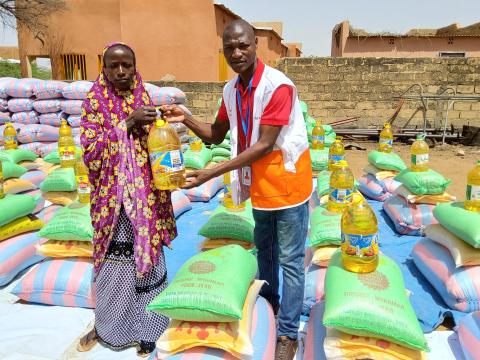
x=166, y=161
x=473, y=192
x=66, y=153
x=318, y=138
x=341, y=195
x=360, y=245
x=337, y=158
x=419, y=159
x=10, y=139
x=384, y=141
x=83, y=185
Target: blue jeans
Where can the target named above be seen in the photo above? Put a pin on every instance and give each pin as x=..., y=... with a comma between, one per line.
x=280, y=239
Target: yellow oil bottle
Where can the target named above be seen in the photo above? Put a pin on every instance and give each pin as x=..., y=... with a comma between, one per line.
x=359, y=238
x=195, y=143
x=419, y=154
x=385, y=143
x=472, y=200
x=166, y=157
x=83, y=184
x=2, y=190
x=336, y=153
x=10, y=137
x=318, y=136
x=227, y=195
x=66, y=146
x=342, y=185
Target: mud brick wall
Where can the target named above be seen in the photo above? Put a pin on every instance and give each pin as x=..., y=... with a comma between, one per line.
x=337, y=88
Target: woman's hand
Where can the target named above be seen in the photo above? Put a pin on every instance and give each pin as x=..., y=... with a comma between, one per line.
x=197, y=178
x=144, y=115
x=174, y=113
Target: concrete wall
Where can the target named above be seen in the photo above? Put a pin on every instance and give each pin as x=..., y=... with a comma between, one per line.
x=337, y=88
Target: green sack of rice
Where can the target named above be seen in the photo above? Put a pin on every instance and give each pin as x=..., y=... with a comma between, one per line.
x=220, y=151
x=373, y=304
x=304, y=107
x=197, y=159
x=17, y=155
x=13, y=207
x=386, y=161
x=325, y=227
x=54, y=157
x=329, y=139
x=423, y=183
x=218, y=159
x=69, y=223
x=59, y=180
x=12, y=170
x=224, y=223
x=224, y=144
x=209, y=287
x=319, y=159
x=463, y=223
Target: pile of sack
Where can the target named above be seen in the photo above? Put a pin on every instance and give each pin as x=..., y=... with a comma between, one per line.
x=378, y=182
x=449, y=256
x=215, y=309
x=412, y=204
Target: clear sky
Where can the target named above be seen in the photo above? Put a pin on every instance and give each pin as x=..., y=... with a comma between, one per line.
x=311, y=21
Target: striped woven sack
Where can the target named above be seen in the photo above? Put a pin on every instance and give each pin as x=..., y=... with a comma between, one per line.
x=263, y=336
x=165, y=95
x=205, y=191
x=181, y=203
x=314, y=287
x=61, y=282
x=47, y=148
x=22, y=88
x=469, y=335
x=74, y=120
x=5, y=84
x=47, y=213
x=34, y=147
x=373, y=188
x=38, y=132
x=2, y=128
x=316, y=333
x=19, y=105
x=409, y=219
x=458, y=287
x=72, y=107
x=5, y=117
x=48, y=106
x=52, y=119
x=36, y=177
x=3, y=104
x=17, y=254
x=77, y=90
x=49, y=89
x=26, y=117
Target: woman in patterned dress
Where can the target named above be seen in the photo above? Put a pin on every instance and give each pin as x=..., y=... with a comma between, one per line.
x=132, y=220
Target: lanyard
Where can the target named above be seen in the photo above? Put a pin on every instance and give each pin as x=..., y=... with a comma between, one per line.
x=245, y=120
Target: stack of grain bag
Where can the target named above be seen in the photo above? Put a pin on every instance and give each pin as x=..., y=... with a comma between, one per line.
x=60, y=186
x=66, y=275
x=74, y=94
x=378, y=181
x=310, y=124
x=411, y=206
x=364, y=316
x=222, y=151
x=449, y=256
x=4, y=112
x=219, y=314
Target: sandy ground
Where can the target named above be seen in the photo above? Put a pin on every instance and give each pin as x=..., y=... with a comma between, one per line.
x=443, y=159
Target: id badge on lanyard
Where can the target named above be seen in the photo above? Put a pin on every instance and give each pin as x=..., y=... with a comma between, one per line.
x=246, y=178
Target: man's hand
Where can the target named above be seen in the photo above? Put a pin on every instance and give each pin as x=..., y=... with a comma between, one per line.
x=144, y=115
x=174, y=113
x=197, y=178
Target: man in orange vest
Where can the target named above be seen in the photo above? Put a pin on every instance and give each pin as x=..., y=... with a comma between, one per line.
x=270, y=164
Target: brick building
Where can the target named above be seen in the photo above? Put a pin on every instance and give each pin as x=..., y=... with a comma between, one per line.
x=452, y=40
x=180, y=38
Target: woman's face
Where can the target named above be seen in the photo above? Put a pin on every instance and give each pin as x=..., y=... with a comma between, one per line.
x=119, y=64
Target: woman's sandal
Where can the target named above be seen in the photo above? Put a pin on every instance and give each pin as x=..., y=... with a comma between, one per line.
x=145, y=348
x=88, y=341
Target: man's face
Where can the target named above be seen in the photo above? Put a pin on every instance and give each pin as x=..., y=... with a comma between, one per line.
x=239, y=50
x=120, y=67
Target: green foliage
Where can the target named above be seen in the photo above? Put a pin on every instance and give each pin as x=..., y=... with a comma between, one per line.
x=8, y=69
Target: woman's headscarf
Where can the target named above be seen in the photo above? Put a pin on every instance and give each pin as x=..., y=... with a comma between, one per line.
x=120, y=173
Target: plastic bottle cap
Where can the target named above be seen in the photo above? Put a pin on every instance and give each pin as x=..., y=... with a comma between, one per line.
x=342, y=163
x=387, y=125
x=420, y=136
x=160, y=123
